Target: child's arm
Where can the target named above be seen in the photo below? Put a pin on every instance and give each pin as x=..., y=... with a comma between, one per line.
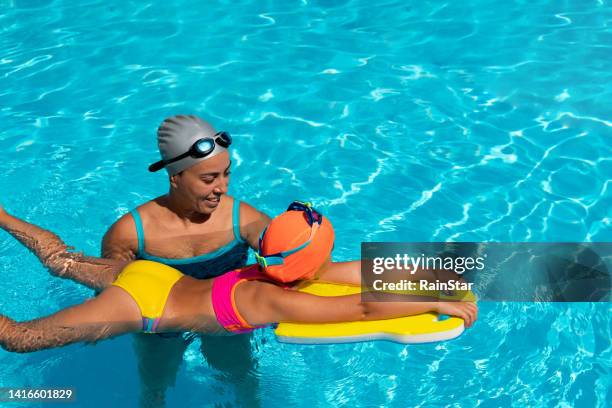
x=112, y=313
x=96, y=273
x=349, y=273
x=273, y=304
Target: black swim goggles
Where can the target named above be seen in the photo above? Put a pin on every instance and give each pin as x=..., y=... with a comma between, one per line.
x=201, y=148
x=314, y=219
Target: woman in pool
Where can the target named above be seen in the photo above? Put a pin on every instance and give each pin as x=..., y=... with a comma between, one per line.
x=197, y=228
x=152, y=297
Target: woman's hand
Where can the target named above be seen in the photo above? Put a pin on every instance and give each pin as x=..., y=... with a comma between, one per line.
x=468, y=311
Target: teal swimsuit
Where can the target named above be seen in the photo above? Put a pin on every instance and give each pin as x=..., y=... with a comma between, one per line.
x=229, y=257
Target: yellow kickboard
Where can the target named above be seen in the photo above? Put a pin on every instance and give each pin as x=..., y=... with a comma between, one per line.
x=423, y=328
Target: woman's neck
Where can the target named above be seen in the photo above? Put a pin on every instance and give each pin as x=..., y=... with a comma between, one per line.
x=183, y=210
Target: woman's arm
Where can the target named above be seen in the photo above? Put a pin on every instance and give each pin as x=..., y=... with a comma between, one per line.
x=120, y=241
x=273, y=304
x=348, y=273
x=52, y=252
x=252, y=223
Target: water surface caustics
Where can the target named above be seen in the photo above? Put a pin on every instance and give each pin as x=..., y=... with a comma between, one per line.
x=402, y=121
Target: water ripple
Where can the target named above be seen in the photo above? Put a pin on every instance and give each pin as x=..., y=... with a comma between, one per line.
x=402, y=121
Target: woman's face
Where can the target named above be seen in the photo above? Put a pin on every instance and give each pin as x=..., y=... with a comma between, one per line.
x=201, y=186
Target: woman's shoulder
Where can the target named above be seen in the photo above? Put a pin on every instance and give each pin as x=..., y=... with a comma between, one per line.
x=120, y=240
x=126, y=225
x=250, y=214
x=152, y=206
x=252, y=222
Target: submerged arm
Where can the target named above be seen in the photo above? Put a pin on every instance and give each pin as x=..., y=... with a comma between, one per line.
x=53, y=253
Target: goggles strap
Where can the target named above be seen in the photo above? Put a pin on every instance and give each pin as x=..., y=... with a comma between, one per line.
x=261, y=260
x=277, y=259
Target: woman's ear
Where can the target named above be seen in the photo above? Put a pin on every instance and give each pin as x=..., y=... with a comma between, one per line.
x=174, y=180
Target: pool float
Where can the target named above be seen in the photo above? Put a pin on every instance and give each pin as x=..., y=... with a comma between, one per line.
x=423, y=328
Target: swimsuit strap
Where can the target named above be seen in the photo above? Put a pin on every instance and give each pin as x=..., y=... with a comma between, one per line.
x=139, y=231
x=149, y=325
x=142, y=254
x=236, y=220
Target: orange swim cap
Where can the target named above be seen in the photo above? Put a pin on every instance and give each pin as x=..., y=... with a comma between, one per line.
x=289, y=231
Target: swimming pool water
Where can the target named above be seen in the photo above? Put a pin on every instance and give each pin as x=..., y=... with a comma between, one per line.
x=402, y=121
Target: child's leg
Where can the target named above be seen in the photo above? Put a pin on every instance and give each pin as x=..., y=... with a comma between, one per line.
x=96, y=273
x=112, y=313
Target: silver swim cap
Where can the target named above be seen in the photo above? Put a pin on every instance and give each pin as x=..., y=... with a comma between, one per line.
x=177, y=136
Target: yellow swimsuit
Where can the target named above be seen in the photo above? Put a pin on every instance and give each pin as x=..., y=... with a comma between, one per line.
x=149, y=283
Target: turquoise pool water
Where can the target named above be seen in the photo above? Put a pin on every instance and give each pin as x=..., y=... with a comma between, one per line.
x=404, y=121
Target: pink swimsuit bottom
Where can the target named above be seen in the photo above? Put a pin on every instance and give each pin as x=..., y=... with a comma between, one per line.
x=222, y=294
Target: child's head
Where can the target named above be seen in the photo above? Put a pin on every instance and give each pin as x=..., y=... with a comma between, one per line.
x=295, y=244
